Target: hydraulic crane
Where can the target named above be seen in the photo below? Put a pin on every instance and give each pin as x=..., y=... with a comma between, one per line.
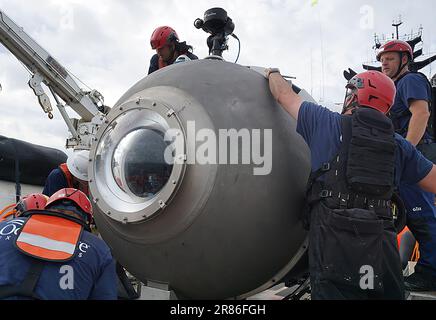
x=44, y=68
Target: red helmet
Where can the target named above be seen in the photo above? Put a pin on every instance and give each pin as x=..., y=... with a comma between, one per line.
x=395, y=46
x=162, y=36
x=374, y=90
x=72, y=200
x=34, y=201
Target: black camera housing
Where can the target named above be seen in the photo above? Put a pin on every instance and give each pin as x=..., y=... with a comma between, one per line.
x=220, y=26
x=216, y=21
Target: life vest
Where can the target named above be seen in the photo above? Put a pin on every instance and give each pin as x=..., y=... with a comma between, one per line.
x=349, y=203
x=45, y=237
x=71, y=182
x=431, y=123
x=362, y=174
x=67, y=174
x=407, y=246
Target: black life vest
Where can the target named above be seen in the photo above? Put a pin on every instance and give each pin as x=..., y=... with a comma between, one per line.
x=431, y=123
x=362, y=174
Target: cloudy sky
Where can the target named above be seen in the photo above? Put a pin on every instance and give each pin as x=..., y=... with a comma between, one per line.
x=106, y=45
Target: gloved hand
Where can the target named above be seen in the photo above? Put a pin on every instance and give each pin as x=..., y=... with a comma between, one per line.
x=263, y=71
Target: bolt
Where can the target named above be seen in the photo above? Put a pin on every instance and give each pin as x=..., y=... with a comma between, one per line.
x=108, y=213
x=154, y=104
x=174, y=182
x=125, y=220
x=96, y=200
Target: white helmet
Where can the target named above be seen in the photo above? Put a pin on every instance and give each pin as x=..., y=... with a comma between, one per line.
x=78, y=163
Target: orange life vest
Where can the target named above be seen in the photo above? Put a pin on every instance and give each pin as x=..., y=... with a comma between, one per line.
x=415, y=253
x=71, y=183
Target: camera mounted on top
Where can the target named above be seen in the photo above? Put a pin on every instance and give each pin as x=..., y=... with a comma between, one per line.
x=220, y=26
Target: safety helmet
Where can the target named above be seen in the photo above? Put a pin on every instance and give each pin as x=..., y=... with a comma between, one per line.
x=78, y=163
x=71, y=201
x=373, y=89
x=162, y=36
x=33, y=201
x=395, y=46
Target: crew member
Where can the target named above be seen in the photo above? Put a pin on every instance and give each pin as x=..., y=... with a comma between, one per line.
x=410, y=115
x=51, y=255
x=168, y=48
x=34, y=201
x=72, y=174
x=357, y=160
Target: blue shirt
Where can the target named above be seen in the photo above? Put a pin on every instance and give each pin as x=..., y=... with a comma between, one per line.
x=412, y=86
x=91, y=273
x=55, y=181
x=321, y=128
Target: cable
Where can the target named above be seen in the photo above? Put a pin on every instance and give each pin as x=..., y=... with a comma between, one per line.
x=72, y=74
x=69, y=72
x=239, y=45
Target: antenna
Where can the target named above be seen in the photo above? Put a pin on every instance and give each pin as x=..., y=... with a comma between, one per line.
x=397, y=24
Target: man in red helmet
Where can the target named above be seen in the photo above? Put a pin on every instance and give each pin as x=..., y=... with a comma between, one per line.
x=410, y=115
x=51, y=254
x=357, y=160
x=410, y=112
x=168, y=48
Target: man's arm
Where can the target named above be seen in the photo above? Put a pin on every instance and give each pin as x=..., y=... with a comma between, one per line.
x=418, y=121
x=283, y=93
x=428, y=183
x=154, y=64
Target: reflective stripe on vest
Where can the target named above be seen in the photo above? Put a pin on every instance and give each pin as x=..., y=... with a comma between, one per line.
x=49, y=238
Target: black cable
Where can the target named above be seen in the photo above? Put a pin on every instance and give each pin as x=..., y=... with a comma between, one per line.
x=298, y=292
x=239, y=44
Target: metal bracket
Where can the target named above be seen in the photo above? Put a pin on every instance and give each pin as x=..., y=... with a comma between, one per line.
x=156, y=291
x=43, y=99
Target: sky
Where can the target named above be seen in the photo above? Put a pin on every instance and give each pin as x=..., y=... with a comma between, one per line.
x=106, y=45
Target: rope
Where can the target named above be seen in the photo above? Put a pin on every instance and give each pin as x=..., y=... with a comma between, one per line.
x=7, y=212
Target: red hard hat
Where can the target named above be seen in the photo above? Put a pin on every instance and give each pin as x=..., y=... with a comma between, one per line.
x=374, y=90
x=77, y=197
x=162, y=36
x=33, y=201
x=395, y=46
